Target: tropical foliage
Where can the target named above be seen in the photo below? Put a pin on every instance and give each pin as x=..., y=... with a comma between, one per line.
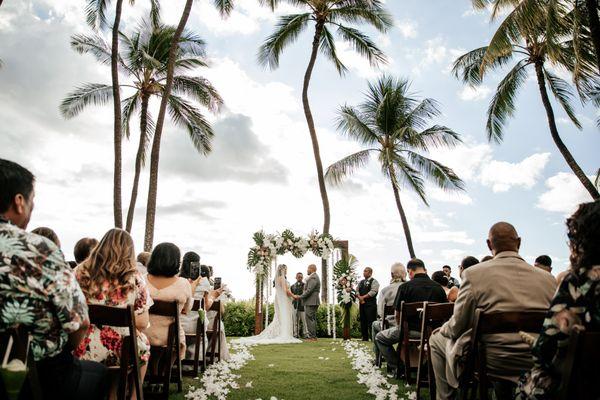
x=143, y=61
x=533, y=37
x=394, y=125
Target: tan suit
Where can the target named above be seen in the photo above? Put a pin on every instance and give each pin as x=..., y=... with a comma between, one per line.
x=506, y=283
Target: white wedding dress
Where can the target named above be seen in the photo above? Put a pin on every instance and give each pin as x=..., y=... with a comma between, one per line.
x=281, y=329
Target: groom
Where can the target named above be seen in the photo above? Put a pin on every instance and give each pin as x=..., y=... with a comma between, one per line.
x=311, y=301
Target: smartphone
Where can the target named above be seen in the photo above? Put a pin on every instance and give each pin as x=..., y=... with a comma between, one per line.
x=194, y=270
x=217, y=283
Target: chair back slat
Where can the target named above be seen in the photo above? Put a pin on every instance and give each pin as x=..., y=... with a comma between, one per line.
x=164, y=309
x=388, y=310
x=119, y=317
x=434, y=315
x=510, y=322
x=197, y=305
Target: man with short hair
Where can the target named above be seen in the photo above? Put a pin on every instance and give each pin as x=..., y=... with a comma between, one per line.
x=506, y=283
x=39, y=291
x=83, y=248
x=311, y=300
x=297, y=289
x=142, y=262
x=419, y=288
x=367, y=298
x=386, y=299
x=544, y=262
x=451, y=281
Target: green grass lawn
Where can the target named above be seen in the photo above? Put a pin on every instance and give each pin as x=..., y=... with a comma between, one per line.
x=295, y=372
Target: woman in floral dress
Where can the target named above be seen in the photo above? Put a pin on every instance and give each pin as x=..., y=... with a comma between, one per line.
x=109, y=276
x=576, y=303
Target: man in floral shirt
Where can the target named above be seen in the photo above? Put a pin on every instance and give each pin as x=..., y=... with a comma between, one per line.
x=38, y=290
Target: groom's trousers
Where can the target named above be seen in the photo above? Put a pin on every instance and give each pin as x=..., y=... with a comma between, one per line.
x=310, y=314
x=299, y=319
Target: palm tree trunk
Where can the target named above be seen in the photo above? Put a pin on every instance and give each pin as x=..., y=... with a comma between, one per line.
x=316, y=151
x=409, y=244
x=539, y=70
x=117, y=207
x=155, y=154
x=138, y=161
x=594, y=23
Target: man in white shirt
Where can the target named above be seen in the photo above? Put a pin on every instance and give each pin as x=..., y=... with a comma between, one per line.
x=386, y=298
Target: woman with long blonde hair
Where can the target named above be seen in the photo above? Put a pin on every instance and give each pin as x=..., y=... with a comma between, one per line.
x=109, y=276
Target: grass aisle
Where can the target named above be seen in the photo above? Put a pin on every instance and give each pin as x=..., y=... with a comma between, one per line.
x=318, y=370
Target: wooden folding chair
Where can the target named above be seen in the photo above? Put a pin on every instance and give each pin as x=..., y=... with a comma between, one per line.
x=475, y=376
x=214, y=335
x=434, y=316
x=129, y=368
x=200, y=344
x=16, y=343
x=164, y=366
x=579, y=376
x=387, y=311
x=407, y=348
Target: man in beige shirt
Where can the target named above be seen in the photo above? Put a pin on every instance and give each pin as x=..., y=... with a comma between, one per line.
x=505, y=283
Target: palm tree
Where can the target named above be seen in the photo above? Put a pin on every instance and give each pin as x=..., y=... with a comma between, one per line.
x=393, y=124
x=225, y=7
x=144, y=60
x=96, y=18
x=522, y=39
x=326, y=15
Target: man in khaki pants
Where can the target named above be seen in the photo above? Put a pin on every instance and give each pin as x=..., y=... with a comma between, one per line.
x=505, y=283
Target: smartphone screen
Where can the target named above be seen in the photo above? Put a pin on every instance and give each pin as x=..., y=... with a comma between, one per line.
x=217, y=283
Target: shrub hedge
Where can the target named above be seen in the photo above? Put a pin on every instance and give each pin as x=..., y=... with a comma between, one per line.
x=239, y=320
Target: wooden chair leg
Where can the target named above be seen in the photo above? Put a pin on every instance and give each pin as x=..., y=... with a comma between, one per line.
x=431, y=374
x=420, y=364
x=406, y=347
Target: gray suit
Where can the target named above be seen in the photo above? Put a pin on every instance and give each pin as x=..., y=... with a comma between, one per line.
x=311, y=300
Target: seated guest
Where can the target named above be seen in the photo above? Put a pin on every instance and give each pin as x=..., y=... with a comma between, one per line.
x=506, y=283
x=165, y=285
x=544, y=262
x=48, y=234
x=83, y=248
x=109, y=277
x=386, y=299
x=211, y=315
x=201, y=291
x=441, y=278
x=452, y=282
x=142, y=262
x=467, y=262
x=419, y=288
x=577, y=302
x=40, y=292
x=486, y=258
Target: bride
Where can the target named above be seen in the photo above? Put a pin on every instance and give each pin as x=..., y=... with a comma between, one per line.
x=281, y=329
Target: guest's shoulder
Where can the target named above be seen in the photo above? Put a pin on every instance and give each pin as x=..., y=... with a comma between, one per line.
x=184, y=283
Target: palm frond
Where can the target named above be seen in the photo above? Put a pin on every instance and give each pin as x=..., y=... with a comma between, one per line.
x=366, y=11
x=362, y=44
x=563, y=94
x=327, y=47
x=406, y=175
x=286, y=32
x=95, y=13
x=83, y=96
x=200, y=89
x=184, y=114
x=339, y=170
x=353, y=125
x=502, y=105
x=128, y=108
x=94, y=45
x=437, y=136
x=225, y=7
x=442, y=176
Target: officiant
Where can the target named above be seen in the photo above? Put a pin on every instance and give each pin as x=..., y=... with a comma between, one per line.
x=298, y=288
x=367, y=297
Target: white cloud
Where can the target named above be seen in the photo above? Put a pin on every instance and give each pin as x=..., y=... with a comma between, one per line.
x=407, y=28
x=460, y=237
x=358, y=63
x=474, y=93
x=449, y=197
x=502, y=175
x=564, y=193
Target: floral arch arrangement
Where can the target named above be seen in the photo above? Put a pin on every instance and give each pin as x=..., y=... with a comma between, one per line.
x=262, y=260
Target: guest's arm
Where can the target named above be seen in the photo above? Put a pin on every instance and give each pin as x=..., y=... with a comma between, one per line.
x=374, y=290
x=381, y=301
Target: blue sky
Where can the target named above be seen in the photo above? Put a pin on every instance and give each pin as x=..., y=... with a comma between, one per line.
x=261, y=173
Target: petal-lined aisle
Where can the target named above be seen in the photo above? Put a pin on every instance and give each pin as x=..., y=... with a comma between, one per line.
x=320, y=370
